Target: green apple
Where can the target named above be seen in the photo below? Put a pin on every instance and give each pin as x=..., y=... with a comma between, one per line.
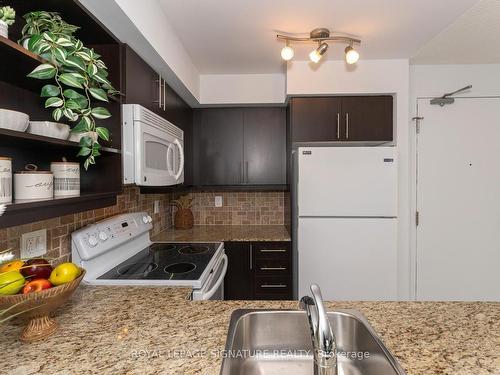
x=64, y=273
x=11, y=282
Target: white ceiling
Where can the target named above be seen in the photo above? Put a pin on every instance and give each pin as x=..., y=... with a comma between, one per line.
x=471, y=39
x=239, y=36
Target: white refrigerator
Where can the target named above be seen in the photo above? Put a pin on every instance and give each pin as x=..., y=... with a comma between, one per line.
x=346, y=225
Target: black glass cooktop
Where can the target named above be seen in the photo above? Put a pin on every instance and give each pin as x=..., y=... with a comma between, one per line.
x=165, y=261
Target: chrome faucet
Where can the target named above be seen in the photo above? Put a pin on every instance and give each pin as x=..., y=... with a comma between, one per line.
x=323, y=340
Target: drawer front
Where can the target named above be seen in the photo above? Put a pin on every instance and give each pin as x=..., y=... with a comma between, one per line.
x=271, y=249
x=267, y=287
x=273, y=266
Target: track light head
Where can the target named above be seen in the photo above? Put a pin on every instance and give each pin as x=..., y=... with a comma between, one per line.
x=316, y=55
x=351, y=55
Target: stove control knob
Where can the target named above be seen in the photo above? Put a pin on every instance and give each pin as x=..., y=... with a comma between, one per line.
x=150, y=219
x=145, y=219
x=103, y=236
x=92, y=240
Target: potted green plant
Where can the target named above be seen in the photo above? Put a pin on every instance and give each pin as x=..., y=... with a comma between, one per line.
x=7, y=18
x=79, y=78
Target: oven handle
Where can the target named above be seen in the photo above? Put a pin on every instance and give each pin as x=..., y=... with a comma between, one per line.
x=181, y=162
x=212, y=291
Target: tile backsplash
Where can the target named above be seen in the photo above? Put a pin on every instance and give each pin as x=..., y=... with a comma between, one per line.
x=59, y=229
x=239, y=208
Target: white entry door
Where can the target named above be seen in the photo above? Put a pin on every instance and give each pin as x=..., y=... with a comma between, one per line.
x=458, y=199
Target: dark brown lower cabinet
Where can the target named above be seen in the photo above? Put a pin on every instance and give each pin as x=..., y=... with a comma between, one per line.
x=258, y=271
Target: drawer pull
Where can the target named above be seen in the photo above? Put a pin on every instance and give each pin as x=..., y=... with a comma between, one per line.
x=272, y=268
x=273, y=250
x=273, y=286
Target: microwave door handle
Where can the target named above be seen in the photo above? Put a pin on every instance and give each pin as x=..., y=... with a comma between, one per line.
x=211, y=292
x=170, y=168
x=181, y=161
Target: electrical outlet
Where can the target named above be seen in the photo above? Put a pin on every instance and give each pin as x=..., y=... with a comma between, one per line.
x=218, y=201
x=34, y=244
x=157, y=207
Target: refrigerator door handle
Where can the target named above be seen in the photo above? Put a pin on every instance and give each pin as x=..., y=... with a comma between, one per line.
x=347, y=125
x=338, y=126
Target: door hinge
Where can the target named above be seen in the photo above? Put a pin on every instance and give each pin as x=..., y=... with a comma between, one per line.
x=417, y=119
x=417, y=218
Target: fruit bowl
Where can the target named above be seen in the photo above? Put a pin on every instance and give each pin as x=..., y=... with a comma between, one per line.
x=38, y=306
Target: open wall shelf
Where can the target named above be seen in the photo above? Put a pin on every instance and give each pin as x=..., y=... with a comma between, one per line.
x=103, y=181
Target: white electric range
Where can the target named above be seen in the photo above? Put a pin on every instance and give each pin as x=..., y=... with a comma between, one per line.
x=119, y=251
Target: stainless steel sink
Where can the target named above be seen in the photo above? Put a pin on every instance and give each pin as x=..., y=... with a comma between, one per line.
x=269, y=342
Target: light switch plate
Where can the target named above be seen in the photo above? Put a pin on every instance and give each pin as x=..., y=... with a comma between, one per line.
x=34, y=244
x=157, y=207
x=218, y=201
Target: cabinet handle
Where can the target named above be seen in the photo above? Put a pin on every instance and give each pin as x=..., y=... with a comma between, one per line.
x=273, y=268
x=338, y=125
x=246, y=172
x=347, y=125
x=273, y=286
x=242, y=173
x=273, y=250
x=159, y=91
x=251, y=258
x=164, y=94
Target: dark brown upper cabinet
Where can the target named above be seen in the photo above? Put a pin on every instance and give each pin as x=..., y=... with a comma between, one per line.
x=367, y=118
x=347, y=118
x=240, y=147
x=264, y=137
x=139, y=81
x=219, y=147
x=316, y=119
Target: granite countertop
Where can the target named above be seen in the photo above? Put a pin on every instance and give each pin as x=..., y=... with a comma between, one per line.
x=225, y=233
x=154, y=330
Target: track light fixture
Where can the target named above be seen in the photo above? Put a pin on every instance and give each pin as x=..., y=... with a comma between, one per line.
x=320, y=36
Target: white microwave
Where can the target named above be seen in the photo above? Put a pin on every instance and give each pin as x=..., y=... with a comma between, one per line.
x=152, y=148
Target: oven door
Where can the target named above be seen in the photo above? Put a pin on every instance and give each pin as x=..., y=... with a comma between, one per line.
x=214, y=287
x=159, y=157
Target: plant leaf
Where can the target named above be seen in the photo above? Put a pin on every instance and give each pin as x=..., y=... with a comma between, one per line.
x=103, y=133
x=70, y=79
x=72, y=94
x=99, y=94
x=82, y=126
x=60, y=54
x=33, y=42
x=43, y=71
x=72, y=104
x=92, y=69
x=50, y=90
x=100, y=113
x=76, y=62
x=86, y=142
x=49, y=36
x=69, y=114
x=64, y=42
x=86, y=164
x=84, y=151
x=57, y=114
x=53, y=102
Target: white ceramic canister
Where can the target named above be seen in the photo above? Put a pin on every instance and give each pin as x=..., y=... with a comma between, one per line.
x=66, y=178
x=32, y=184
x=5, y=180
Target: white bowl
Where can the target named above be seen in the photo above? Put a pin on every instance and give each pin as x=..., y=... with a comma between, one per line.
x=49, y=129
x=75, y=137
x=14, y=120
